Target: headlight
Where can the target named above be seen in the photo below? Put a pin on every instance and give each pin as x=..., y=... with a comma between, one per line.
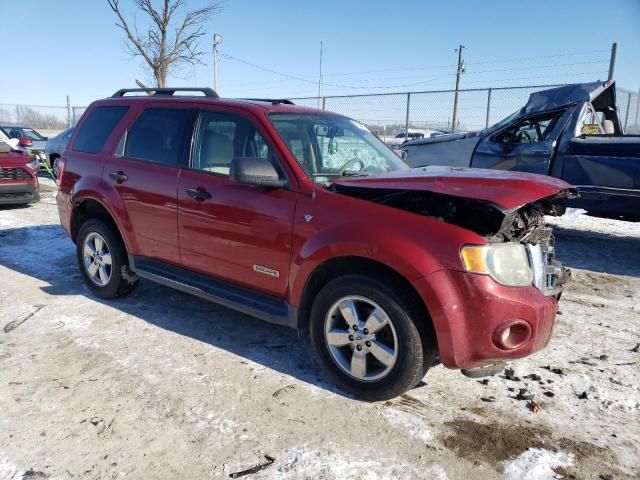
x=507, y=263
x=33, y=164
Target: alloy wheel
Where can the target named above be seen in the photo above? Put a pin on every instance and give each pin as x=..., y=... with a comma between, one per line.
x=97, y=259
x=361, y=338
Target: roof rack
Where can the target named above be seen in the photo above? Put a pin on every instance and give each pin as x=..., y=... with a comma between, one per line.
x=274, y=101
x=162, y=91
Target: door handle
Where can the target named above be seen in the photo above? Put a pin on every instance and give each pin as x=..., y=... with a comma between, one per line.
x=540, y=150
x=199, y=194
x=119, y=177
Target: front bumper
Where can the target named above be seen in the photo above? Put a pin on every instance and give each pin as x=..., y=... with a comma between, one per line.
x=470, y=311
x=17, y=193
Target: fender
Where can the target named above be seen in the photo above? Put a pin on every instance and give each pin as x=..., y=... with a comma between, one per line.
x=403, y=254
x=96, y=189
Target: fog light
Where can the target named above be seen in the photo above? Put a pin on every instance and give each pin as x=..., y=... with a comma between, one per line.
x=511, y=335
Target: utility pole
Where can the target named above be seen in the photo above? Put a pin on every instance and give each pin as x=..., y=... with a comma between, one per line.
x=217, y=40
x=612, y=60
x=320, y=89
x=459, y=73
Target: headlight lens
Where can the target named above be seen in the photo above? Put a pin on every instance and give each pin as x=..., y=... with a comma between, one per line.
x=507, y=263
x=33, y=163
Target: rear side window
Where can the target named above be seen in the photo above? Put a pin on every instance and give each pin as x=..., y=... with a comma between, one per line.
x=95, y=130
x=158, y=136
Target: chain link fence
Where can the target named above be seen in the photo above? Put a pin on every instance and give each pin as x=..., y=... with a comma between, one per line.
x=386, y=114
x=389, y=114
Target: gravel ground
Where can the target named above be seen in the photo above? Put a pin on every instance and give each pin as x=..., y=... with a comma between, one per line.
x=163, y=385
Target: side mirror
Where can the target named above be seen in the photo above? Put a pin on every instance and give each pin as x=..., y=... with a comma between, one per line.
x=25, y=142
x=506, y=138
x=255, y=171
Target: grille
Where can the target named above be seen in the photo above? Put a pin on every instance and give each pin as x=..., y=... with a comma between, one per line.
x=548, y=273
x=16, y=195
x=14, y=174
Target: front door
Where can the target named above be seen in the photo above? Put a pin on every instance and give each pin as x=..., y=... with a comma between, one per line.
x=144, y=172
x=235, y=232
x=528, y=146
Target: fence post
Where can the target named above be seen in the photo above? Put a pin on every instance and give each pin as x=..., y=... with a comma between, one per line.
x=324, y=102
x=626, y=117
x=406, y=123
x=68, y=112
x=486, y=122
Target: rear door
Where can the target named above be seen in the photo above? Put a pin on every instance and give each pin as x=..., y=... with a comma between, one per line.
x=528, y=146
x=144, y=172
x=235, y=232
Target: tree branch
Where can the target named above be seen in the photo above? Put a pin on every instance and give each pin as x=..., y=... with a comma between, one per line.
x=164, y=48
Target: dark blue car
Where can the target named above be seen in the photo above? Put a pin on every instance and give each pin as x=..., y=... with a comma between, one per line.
x=571, y=132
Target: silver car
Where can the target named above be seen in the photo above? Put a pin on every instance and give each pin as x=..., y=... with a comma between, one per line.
x=55, y=147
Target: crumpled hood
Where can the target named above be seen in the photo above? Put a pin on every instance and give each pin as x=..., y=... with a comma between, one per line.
x=507, y=190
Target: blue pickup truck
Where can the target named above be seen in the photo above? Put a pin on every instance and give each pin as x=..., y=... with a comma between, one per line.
x=571, y=132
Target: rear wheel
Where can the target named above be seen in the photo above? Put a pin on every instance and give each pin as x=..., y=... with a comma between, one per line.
x=369, y=339
x=103, y=261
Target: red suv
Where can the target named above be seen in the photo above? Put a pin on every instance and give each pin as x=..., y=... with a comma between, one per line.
x=304, y=218
x=18, y=176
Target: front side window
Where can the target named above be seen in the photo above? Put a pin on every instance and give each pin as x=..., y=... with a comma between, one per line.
x=531, y=130
x=158, y=136
x=97, y=127
x=220, y=137
x=327, y=145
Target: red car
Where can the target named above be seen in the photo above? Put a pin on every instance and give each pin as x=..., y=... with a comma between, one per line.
x=18, y=180
x=304, y=218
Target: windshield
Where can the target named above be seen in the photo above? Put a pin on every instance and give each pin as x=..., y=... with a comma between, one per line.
x=328, y=145
x=502, y=123
x=20, y=132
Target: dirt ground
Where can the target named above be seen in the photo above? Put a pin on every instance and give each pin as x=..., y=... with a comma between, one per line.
x=163, y=385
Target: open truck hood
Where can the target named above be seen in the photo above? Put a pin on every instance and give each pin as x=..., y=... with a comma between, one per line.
x=506, y=190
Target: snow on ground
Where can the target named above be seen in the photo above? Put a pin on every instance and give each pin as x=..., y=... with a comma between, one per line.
x=163, y=385
x=537, y=464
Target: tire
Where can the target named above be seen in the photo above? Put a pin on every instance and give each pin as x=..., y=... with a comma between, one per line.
x=116, y=279
x=405, y=343
x=53, y=163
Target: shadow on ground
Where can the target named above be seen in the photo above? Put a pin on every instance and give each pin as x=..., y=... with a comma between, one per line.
x=598, y=252
x=46, y=253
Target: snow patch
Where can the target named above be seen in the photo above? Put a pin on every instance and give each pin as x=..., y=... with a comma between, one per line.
x=303, y=464
x=537, y=464
x=411, y=423
x=8, y=470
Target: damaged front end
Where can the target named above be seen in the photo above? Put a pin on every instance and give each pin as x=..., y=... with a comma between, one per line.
x=524, y=225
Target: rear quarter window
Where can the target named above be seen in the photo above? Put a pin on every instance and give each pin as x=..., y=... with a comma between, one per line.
x=97, y=127
x=158, y=136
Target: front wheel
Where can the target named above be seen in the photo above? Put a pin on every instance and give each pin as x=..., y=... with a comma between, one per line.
x=369, y=339
x=102, y=259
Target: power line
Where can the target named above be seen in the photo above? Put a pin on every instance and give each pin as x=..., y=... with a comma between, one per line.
x=305, y=80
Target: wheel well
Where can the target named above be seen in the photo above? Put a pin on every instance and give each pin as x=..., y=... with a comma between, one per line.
x=87, y=210
x=340, y=266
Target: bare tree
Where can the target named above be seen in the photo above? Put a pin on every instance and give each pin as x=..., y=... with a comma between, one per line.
x=171, y=39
